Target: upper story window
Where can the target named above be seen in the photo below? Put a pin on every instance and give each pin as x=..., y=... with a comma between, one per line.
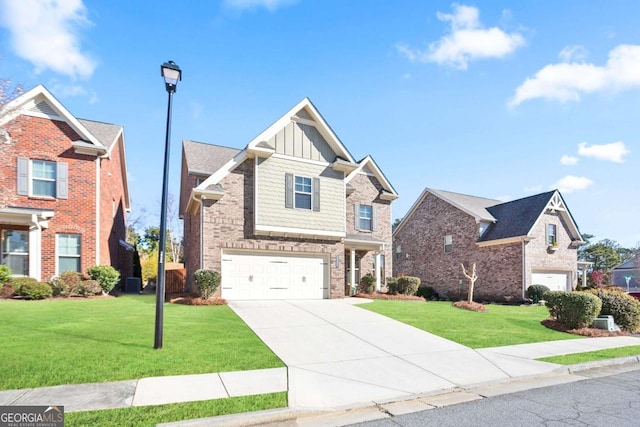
x=448, y=244
x=366, y=217
x=303, y=192
x=43, y=178
x=552, y=234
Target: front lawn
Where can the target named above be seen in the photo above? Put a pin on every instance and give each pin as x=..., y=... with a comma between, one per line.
x=590, y=356
x=152, y=415
x=500, y=325
x=74, y=341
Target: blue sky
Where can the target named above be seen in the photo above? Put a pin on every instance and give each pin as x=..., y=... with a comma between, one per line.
x=500, y=99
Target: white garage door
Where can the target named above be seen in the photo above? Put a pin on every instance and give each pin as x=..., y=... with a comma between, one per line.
x=554, y=281
x=249, y=276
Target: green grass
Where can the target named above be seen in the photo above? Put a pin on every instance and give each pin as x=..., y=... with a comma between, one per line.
x=590, y=356
x=500, y=325
x=74, y=341
x=152, y=415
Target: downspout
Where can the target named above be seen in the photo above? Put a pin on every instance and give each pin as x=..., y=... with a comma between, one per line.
x=97, y=211
x=524, y=270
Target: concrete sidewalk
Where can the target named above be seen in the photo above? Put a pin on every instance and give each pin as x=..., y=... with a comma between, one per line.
x=151, y=391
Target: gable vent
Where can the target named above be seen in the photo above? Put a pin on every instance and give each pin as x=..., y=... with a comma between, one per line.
x=43, y=107
x=303, y=114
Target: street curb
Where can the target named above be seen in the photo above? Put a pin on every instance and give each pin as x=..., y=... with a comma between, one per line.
x=377, y=409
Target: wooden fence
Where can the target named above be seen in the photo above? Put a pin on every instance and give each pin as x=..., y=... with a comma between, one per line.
x=175, y=278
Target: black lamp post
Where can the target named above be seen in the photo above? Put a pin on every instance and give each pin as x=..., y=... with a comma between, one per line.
x=172, y=75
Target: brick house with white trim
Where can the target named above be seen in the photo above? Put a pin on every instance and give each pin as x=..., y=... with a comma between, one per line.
x=291, y=216
x=515, y=244
x=63, y=190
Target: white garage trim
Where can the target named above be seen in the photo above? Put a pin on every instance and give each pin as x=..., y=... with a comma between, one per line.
x=554, y=280
x=255, y=275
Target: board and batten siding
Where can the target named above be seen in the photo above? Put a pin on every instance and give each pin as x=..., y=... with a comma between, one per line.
x=304, y=141
x=270, y=203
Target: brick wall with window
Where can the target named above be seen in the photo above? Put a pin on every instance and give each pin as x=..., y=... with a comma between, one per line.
x=44, y=140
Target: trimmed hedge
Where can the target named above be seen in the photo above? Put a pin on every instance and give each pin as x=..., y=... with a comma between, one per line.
x=106, y=275
x=368, y=283
x=536, y=292
x=65, y=284
x=427, y=292
x=408, y=285
x=5, y=274
x=207, y=282
x=573, y=309
x=34, y=290
x=624, y=308
x=392, y=285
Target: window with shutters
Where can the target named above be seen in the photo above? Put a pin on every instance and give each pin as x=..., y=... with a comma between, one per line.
x=41, y=178
x=303, y=192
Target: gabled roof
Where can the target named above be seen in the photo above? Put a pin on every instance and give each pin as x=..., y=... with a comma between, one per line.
x=106, y=133
x=40, y=102
x=509, y=220
x=631, y=264
x=517, y=217
x=388, y=193
x=205, y=159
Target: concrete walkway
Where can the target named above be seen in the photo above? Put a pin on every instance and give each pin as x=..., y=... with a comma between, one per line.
x=339, y=355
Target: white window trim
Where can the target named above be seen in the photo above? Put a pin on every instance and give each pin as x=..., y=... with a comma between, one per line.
x=555, y=234
x=27, y=254
x=450, y=244
x=32, y=178
x=296, y=192
x=58, y=255
x=370, y=219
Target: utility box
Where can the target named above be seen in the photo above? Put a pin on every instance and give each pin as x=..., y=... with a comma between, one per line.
x=605, y=322
x=132, y=285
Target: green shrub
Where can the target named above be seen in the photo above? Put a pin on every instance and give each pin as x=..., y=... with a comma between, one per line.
x=536, y=292
x=65, y=284
x=368, y=283
x=624, y=308
x=5, y=274
x=18, y=282
x=106, y=275
x=408, y=285
x=573, y=309
x=427, y=292
x=207, y=282
x=392, y=285
x=35, y=290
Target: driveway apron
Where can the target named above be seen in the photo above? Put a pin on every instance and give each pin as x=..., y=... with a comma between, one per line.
x=340, y=355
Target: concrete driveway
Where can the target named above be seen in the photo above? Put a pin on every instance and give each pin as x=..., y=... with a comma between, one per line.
x=340, y=355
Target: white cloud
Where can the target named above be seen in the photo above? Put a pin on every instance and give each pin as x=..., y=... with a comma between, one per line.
x=613, y=152
x=44, y=32
x=468, y=41
x=567, y=81
x=66, y=91
x=270, y=5
x=571, y=183
x=573, y=53
x=568, y=160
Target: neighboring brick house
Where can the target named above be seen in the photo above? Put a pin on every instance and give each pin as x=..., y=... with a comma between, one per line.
x=292, y=215
x=64, y=193
x=528, y=241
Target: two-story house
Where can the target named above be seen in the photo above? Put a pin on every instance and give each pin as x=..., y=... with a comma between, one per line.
x=514, y=244
x=63, y=190
x=291, y=215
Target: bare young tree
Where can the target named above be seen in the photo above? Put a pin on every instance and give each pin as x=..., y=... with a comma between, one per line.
x=175, y=228
x=472, y=277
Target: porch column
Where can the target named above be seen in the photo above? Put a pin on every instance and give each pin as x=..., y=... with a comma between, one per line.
x=378, y=271
x=352, y=266
x=35, y=252
x=584, y=277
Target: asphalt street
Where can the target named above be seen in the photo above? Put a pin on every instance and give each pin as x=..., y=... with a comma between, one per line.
x=609, y=397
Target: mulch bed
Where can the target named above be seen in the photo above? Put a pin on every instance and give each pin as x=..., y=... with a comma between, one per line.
x=390, y=297
x=192, y=299
x=471, y=306
x=585, y=332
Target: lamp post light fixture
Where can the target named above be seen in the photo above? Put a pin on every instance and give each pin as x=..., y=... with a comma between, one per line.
x=172, y=75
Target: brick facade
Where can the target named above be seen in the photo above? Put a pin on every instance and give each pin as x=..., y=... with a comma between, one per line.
x=500, y=267
x=40, y=138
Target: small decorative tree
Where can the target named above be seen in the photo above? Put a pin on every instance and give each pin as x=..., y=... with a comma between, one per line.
x=472, y=277
x=597, y=277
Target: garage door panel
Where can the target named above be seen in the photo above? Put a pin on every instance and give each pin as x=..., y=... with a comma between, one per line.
x=554, y=281
x=274, y=276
